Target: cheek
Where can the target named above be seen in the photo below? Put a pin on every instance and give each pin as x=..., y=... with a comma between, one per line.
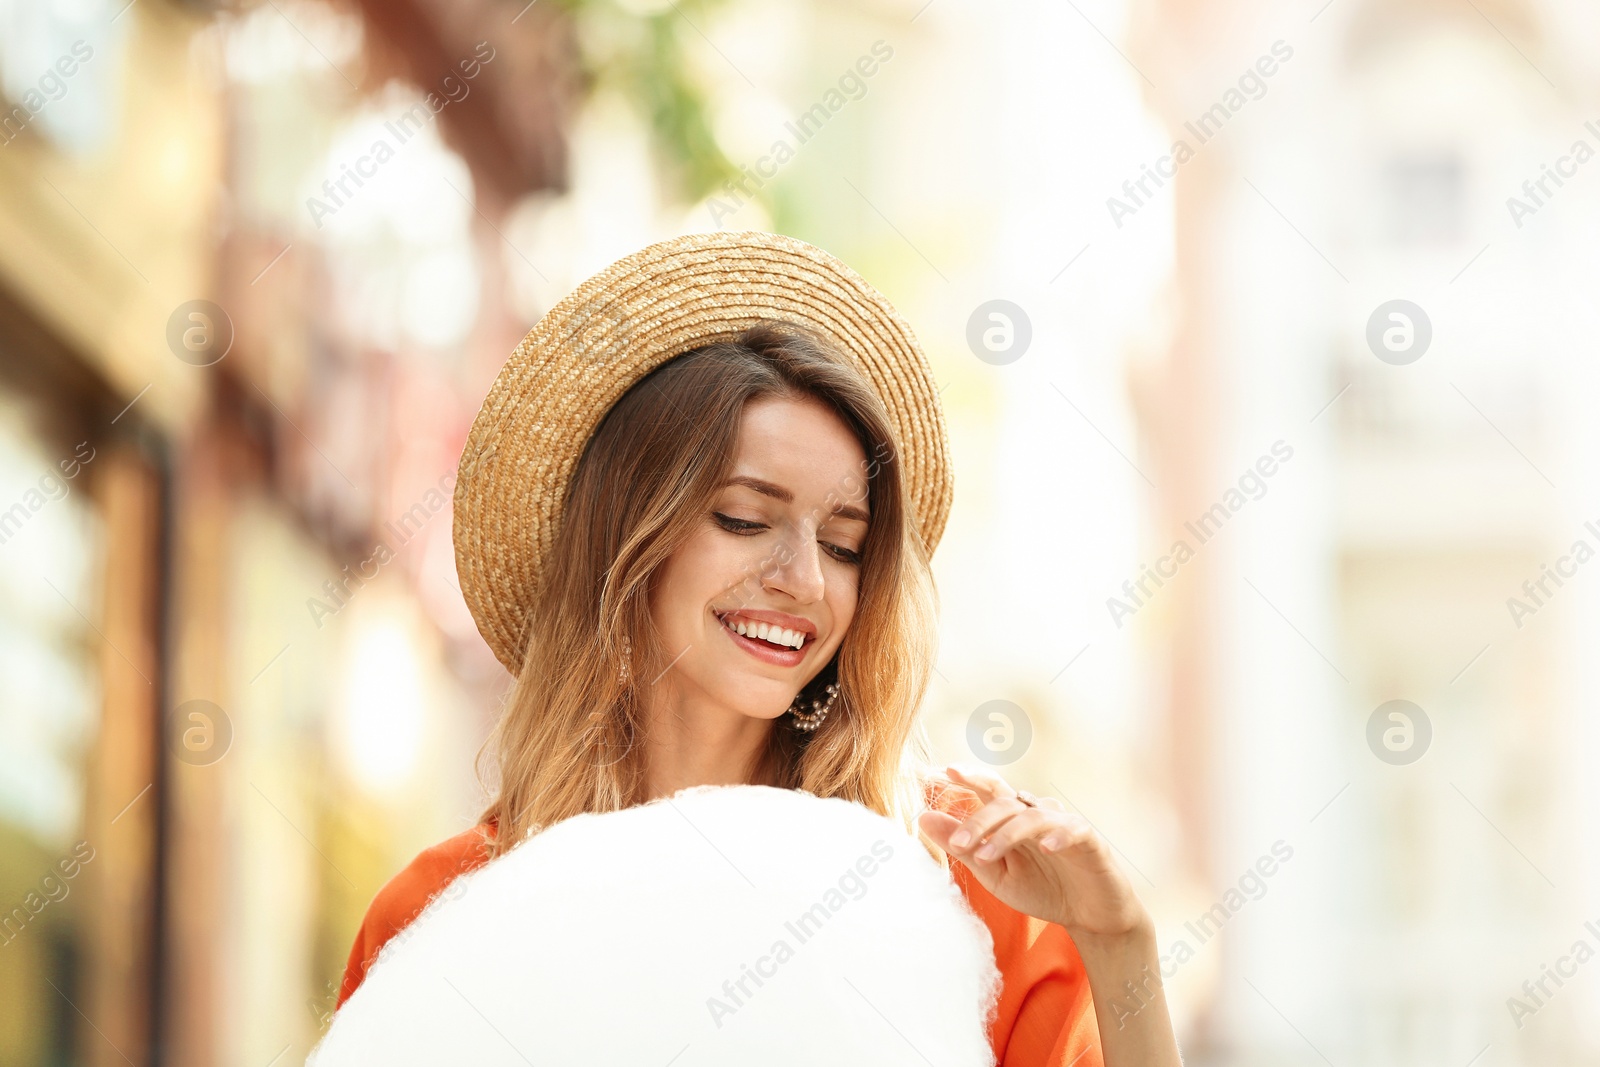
x=843, y=598
x=704, y=570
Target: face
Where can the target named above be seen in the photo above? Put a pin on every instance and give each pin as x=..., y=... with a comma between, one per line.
x=779, y=546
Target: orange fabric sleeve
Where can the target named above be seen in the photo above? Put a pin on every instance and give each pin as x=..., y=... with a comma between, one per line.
x=1045, y=1017
x=405, y=896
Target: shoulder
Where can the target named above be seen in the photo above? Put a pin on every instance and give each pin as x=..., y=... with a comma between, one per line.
x=407, y=894
x=435, y=867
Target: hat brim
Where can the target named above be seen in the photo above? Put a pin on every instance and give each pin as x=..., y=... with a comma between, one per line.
x=640, y=312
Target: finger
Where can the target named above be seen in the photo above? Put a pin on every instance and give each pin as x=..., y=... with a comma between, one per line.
x=1031, y=824
x=938, y=826
x=986, y=784
x=1052, y=803
x=1071, y=833
x=983, y=822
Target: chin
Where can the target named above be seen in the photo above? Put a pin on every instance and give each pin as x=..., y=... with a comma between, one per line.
x=765, y=709
x=758, y=702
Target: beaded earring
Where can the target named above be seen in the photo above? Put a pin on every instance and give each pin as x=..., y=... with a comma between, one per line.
x=808, y=721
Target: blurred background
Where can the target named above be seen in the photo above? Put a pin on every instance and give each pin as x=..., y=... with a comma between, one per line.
x=1266, y=340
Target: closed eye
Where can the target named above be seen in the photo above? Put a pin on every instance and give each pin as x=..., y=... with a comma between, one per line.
x=843, y=555
x=733, y=525
x=746, y=528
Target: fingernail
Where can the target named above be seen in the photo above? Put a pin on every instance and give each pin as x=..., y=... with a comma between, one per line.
x=960, y=838
x=987, y=852
x=1049, y=844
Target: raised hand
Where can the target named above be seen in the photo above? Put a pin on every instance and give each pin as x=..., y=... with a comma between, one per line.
x=1040, y=860
x=1035, y=857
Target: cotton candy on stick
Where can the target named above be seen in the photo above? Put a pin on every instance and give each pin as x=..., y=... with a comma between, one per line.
x=725, y=925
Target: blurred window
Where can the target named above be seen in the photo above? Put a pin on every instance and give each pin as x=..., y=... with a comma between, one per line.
x=50, y=540
x=1423, y=197
x=59, y=66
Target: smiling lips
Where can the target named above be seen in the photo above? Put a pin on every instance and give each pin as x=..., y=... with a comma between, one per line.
x=769, y=641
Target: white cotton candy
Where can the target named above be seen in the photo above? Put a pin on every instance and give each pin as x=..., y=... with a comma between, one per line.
x=624, y=939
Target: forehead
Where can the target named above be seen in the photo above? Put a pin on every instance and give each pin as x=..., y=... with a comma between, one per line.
x=802, y=445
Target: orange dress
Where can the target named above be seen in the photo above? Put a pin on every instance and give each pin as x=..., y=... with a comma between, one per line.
x=1045, y=1017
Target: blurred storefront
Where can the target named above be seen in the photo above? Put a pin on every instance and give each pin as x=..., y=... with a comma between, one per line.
x=249, y=298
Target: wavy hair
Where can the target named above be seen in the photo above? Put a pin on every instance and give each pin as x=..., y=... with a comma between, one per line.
x=567, y=740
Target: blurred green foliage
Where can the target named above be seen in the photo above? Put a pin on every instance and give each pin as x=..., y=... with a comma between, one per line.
x=648, y=56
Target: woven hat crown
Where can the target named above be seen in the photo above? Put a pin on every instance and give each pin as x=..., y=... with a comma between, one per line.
x=640, y=312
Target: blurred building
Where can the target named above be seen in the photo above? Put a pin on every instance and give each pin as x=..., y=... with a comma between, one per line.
x=250, y=296
x=1372, y=159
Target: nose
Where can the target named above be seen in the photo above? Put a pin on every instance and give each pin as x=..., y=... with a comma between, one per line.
x=797, y=567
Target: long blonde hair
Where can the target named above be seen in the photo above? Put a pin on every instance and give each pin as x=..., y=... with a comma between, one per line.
x=567, y=740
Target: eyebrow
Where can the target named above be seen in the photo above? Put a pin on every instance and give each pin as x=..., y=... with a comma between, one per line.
x=778, y=492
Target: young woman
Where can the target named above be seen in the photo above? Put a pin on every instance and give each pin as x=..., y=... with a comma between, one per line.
x=694, y=518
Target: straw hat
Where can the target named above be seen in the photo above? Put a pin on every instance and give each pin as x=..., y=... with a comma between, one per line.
x=616, y=327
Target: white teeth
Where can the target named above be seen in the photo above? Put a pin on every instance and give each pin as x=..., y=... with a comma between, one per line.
x=767, y=632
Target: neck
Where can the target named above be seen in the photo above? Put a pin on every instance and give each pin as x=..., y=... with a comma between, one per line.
x=693, y=744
